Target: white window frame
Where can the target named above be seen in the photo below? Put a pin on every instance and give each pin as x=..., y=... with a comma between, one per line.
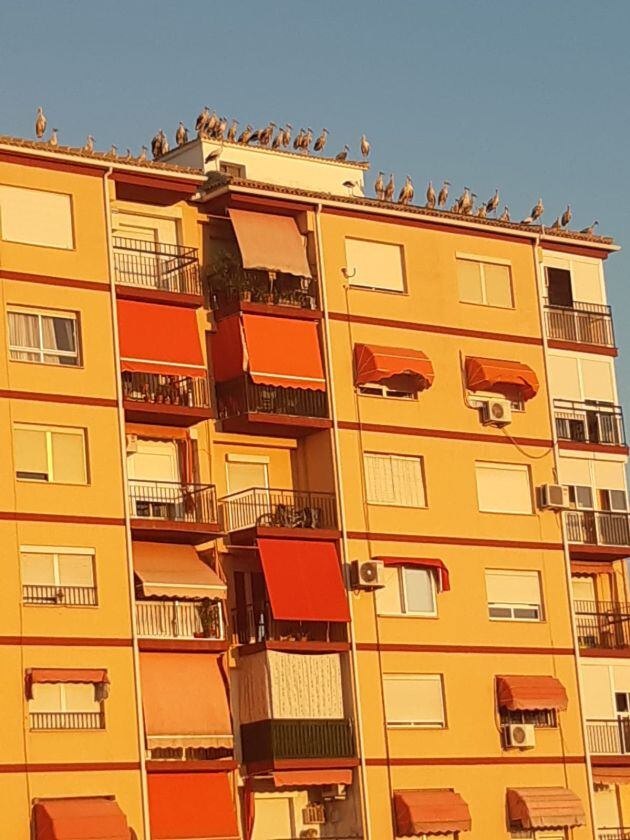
x=378, y=389
x=477, y=399
x=418, y=724
x=49, y=431
x=72, y=246
x=64, y=702
x=516, y=605
x=54, y=552
x=395, y=456
x=481, y=262
x=402, y=591
x=506, y=466
x=43, y=353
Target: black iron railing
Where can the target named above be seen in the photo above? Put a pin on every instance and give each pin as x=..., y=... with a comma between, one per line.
x=173, y=501
x=258, y=287
x=242, y=396
x=180, y=620
x=598, y=527
x=272, y=508
x=609, y=737
x=62, y=596
x=189, y=753
x=602, y=624
x=267, y=740
x=156, y=265
x=165, y=389
x=583, y=323
x=253, y=624
x=595, y=422
x=67, y=720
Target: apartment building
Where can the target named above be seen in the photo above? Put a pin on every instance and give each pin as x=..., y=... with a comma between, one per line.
x=308, y=569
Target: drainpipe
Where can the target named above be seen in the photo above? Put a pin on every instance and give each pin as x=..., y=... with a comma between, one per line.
x=537, y=247
x=365, y=800
x=128, y=539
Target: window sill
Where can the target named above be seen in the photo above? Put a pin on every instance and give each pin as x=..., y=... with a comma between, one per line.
x=418, y=727
x=423, y=616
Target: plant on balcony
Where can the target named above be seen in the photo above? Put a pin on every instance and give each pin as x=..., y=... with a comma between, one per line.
x=227, y=274
x=205, y=612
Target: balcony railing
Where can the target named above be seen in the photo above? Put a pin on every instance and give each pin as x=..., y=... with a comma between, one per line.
x=173, y=501
x=257, y=624
x=165, y=389
x=258, y=287
x=269, y=740
x=242, y=396
x=268, y=508
x=66, y=720
x=61, y=596
x=156, y=265
x=613, y=834
x=180, y=620
x=599, y=423
x=602, y=624
x=609, y=737
x=598, y=527
x=583, y=323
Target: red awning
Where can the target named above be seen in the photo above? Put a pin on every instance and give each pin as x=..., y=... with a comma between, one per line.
x=529, y=693
x=611, y=775
x=94, y=676
x=304, y=580
x=191, y=805
x=270, y=243
x=420, y=812
x=156, y=338
x=373, y=363
x=306, y=778
x=540, y=807
x=585, y=568
x=175, y=571
x=443, y=576
x=499, y=375
x=284, y=352
x=83, y=818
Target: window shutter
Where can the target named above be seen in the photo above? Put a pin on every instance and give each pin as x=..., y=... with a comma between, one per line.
x=414, y=699
x=68, y=458
x=375, y=265
x=36, y=217
x=597, y=380
x=76, y=570
x=469, y=281
x=37, y=569
x=498, y=285
x=407, y=482
x=31, y=455
x=388, y=600
x=378, y=479
x=513, y=587
x=503, y=488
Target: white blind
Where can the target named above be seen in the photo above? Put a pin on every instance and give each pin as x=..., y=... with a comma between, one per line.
x=375, y=265
x=503, y=488
x=469, y=281
x=507, y=586
x=583, y=588
x=414, y=699
x=574, y=471
x=243, y=475
x=497, y=285
x=597, y=379
x=564, y=377
x=598, y=697
x=388, y=599
x=586, y=281
x=37, y=569
x=35, y=217
x=394, y=480
x=610, y=475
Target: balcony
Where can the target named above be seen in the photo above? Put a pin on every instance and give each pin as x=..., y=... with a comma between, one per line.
x=257, y=625
x=598, y=532
x=156, y=268
x=59, y=596
x=602, y=624
x=53, y=721
x=165, y=398
x=165, y=511
x=268, y=741
x=254, y=291
x=246, y=407
x=581, y=323
x=588, y=424
x=609, y=737
x=180, y=620
x=613, y=834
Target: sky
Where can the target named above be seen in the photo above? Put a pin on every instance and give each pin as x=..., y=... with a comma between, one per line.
x=530, y=97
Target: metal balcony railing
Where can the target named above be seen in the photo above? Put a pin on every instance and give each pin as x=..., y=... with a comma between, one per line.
x=258, y=287
x=257, y=624
x=613, y=834
x=173, y=501
x=62, y=596
x=595, y=422
x=609, y=737
x=165, y=389
x=598, y=527
x=272, y=508
x=242, y=396
x=66, y=720
x=602, y=624
x=582, y=323
x=156, y=265
x=180, y=620
x=269, y=740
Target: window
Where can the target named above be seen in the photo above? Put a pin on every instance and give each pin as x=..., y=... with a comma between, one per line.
x=45, y=337
x=52, y=454
x=514, y=595
x=503, y=488
x=35, y=217
x=233, y=170
x=245, y=472
x=65, y=706
x=581, y=380
x=64, y=576
x=484, y=283
x=378, y=389
x=408, y=591
x=477, y=399
x=540, y=718
x=414, y=700
x=394, y=480
x=375, y=265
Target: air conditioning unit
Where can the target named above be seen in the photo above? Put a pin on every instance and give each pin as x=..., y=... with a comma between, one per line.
x=520, y=736
x=314, y=814
x=131, y=444
x=367, y=574
x=496, y=412
x=331, y=793
x=554, y=496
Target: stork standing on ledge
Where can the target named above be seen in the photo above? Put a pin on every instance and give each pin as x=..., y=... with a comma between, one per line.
x=181, y=135
x=40, y=123
x=321, y=141
x=389, y=189
x=406, y=194
x=343, y=154
x=443, y=194
x=379, y=187
x=365, y=147
x=431, y=197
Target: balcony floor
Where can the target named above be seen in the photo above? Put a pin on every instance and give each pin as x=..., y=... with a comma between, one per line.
x=249, y=536
x=161, y=414
x=583, y=551
x=151, y=295
x=161, y=530
x=274, y=425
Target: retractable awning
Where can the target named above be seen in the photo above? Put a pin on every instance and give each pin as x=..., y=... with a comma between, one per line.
x=497, y=374
x=306, y=778
x=530, y=693
x=175, y=571
x=437, y=566
x=374, y=363
x=94, y=676
x=81, y=818
x=191, y=805
x=304, y=580
x=419, y=812
x=270, y=243
x=544, y=807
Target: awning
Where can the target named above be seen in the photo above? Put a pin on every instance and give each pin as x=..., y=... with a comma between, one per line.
x=191, y=805
x=611, y=775
x=497, y=375
x=94, y=676
x=185, y=700
x=420, y=812
x=270, y=243
x=156, y=338
x=540, y=807
x=175, y=571
x=373, y=363
x=306, y=778
x=584, y=568
x=82, y=818
x=442, y=573
x=304, y=580
x=529, y=693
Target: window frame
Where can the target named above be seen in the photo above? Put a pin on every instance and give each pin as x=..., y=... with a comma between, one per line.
x=402, y=595
x=482, y=262
x=512, y=606
x=398, y=677
x=54, y=553
x=539, y=718
x=379, y=390
x=63, y=700
x=395, y=456
x=77, y=431
x=506, y=466
x=32, y=243
x=41, y=313
x=404, y=290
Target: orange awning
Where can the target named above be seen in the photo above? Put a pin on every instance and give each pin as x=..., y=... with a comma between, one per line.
x=157, y=338
x=499, y=375
x=585, y=568
x=305, y=778
x=373, y=363
x=304, y=580
x=191, y=805
x=82, y=818
x=540, y=807
x=611, y=775
x=185, y=700
x=438, y=566
x=94, y=676
x=270, y=243
x=529, y=693
x=284, y=352
x=430, y=812
x=175, y=571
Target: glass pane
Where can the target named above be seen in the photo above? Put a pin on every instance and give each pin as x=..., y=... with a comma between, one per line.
x=76, y=570
x=80, y=698
x=37, y=569
x=469, y=281
x=621, y=701
x=59, y=333
x=584, y=497
x=498, y=285
x=46, y=698
x=23, y=330
x=407, y=481
x=419, y=591
x=617, y=499
x=388, y=598
x=68, y=458
x=31, y=457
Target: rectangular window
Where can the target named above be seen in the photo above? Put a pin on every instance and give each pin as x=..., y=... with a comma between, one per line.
x=65, y=706
x=503, y=488
x=233, y=170
x=35, y=217
x=63, y=577
x=514, y=595
x=484, y=283
x=375, y=265
x=53, y=454
x=541, y=718
x=396, y=480
x=408, y=590
x=43, y=337
x=414, y=700
x=378, y=390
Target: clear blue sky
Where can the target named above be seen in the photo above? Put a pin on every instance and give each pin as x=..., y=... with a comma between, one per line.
x=531, y=97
